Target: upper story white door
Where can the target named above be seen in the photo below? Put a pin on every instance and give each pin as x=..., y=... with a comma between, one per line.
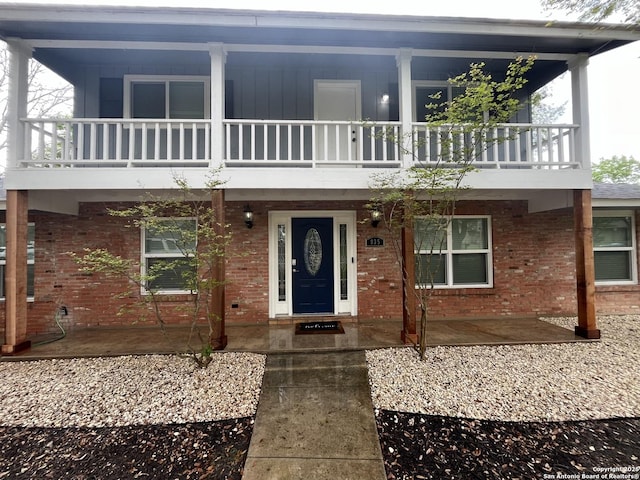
x=337, y=100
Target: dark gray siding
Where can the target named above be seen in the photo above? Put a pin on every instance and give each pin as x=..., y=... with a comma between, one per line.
x=271, y=86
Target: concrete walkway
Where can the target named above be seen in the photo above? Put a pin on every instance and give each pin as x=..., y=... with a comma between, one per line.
x=315, y=420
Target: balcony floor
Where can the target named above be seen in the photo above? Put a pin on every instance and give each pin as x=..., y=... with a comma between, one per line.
x=94, y=342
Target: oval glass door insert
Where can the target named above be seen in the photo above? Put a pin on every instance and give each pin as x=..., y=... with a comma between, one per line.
x=312, y=251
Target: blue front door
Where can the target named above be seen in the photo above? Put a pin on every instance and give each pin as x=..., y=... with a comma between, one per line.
x=312, y=245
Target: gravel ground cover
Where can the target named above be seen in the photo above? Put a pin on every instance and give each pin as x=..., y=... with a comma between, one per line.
x=128, y=417
x=519, y=412
x=136, y=390
x=525, y=412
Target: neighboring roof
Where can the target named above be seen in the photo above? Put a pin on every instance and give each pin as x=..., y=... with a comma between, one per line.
x=203, y=25
x=619, y=195
x=616, y=191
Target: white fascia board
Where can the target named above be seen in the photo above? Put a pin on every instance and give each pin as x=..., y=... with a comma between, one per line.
x=499, y=179
x=129, y=15
x=303, y=20
x=321, y=178
x=281, y=195
x=304, y=49
x=616, y=203
x=87, y=179
x=157, y=178
x=445, y=25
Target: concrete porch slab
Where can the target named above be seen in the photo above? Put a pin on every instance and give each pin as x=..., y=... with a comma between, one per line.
x=94, y=342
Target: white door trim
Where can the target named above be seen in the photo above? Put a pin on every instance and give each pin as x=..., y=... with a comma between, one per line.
x=339, y=141
x=284, y=307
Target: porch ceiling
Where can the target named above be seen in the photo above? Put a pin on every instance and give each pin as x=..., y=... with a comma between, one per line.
x=202, y=26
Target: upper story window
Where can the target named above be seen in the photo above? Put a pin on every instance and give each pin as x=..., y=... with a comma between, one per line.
x=167, y=250
x=614, y=247
x=423, y=95
x=456, y=254
x=31, y=234
x=179, y=97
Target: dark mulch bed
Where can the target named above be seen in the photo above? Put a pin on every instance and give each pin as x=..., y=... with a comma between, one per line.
x=211, y=450
x=430, y=447
x=414, y=447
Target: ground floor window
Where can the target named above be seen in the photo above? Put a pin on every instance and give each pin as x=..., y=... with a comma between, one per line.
x=168, y=248
x=453, y=252
x=614, y=247
x=31, y=234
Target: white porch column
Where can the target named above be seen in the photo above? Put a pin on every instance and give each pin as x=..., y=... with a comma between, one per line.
x=218, y=60
x=19, y=55
x=580, y=105
x=403, y=60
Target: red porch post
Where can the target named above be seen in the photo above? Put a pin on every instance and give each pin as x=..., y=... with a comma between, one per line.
x=585, y=267
x=218, y=339
x=15, y=333
x=409, y=332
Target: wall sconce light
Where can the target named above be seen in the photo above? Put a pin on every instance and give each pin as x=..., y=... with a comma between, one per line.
x=376, y=216
x=247, y=214
x=384, y=99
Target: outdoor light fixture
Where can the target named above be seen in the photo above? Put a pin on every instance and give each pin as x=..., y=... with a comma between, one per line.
x=248, y=216
x=376, y=216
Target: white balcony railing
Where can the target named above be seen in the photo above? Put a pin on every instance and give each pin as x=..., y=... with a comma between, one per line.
x=510, y=145
x=313, y=143
x=156, y=143
x=117, y=142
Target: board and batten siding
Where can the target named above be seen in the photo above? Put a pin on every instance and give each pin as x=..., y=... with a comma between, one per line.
x=272, y=86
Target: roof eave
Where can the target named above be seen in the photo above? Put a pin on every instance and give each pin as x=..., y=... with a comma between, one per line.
x=302, y=20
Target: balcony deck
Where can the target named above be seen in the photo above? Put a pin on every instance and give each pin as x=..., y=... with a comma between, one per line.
x=137, y=143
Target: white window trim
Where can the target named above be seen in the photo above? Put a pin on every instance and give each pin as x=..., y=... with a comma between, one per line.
x=29, y=262
x=450, y=252
x=144, y=256
x=632, y=248
x=166, y=79
x=444, y=85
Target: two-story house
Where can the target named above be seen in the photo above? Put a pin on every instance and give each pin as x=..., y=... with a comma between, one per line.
x=278, y=101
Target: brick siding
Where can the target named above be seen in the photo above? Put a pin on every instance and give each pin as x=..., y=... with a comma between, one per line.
x=533, y=268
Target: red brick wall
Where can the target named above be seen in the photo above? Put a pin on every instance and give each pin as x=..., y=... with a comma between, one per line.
x=533, y=265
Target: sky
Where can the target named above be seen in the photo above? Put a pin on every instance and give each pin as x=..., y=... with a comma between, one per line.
x=614, y=99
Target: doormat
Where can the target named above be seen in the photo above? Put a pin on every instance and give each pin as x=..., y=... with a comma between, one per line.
x=308, y=328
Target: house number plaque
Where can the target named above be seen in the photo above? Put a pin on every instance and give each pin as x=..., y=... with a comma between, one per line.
x=375, y=242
